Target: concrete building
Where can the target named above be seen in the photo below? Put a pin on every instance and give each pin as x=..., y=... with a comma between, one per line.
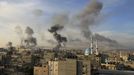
x=108, y=66
x=63, y=67
x=26, y=57
x=2, y=57
x=86, y=67
x=43, y=70
x=96, y=62
x=83, y=67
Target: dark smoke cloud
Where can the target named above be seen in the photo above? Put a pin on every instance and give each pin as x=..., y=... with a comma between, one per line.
x=87, y=18
x=55, y=28
x=29, y=31
x=102, y=38
x=60, y=39
x=92, y=8
x=30, y=40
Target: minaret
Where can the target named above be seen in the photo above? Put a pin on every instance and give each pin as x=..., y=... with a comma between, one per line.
x=91, y=46
x=96, y=50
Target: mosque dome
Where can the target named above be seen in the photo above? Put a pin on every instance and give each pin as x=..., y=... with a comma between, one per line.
x=87, y=51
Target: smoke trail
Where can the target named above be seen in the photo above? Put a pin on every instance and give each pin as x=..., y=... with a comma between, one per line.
x=102, y=38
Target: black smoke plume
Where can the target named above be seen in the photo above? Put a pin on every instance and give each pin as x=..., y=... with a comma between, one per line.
x=88, y=17
x=55, y=28
x=60, y=39
x=30, y=41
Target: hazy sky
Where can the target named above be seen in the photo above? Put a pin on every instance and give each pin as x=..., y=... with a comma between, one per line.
x=117, y=23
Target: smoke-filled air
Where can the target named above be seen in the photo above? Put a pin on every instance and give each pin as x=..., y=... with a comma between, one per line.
x=67, y=28
x=64, y=24
x=26, y=37
x=81, y=21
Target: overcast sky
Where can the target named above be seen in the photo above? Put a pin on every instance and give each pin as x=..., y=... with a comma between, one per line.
x=117, y=24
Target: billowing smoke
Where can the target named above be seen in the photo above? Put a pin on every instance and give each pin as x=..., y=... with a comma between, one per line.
x=30, y=40
x=55, y=28
x=83, y=21
x=29, y=31
x=60, y=39
x=88, y=17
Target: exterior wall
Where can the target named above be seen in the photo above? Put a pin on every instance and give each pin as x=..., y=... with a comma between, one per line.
x=87, y=67
x=53, y=67
x=41, y=70
x=84, y=67
x=56, y=70
x=109, y=66
x=79, y=68
x=66, y=67
x=51, y=72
